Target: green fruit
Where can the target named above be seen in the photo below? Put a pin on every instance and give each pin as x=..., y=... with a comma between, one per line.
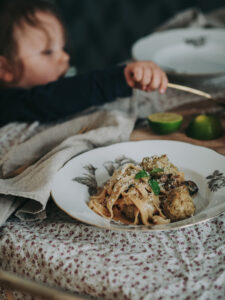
x=165, y=123
x=204, y=127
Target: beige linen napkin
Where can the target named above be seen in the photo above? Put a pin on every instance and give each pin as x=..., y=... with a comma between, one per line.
x=33, y=149
x=45, y=153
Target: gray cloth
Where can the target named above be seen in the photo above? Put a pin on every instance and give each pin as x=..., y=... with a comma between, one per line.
x=194, y=17
x=44, y=154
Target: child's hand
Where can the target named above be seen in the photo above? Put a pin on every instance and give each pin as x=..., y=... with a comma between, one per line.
x=145, y=75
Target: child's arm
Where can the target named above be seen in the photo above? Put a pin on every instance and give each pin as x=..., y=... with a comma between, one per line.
x=146, y=75
x=62, y=98
x=68, y=96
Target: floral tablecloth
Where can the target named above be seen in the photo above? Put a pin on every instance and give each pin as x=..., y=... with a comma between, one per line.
x=184, y=264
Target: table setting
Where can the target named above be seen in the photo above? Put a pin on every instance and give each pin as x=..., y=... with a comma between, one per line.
x=57, y=245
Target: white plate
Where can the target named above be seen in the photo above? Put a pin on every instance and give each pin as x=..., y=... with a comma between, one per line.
x=185, y=52
x=196, y=162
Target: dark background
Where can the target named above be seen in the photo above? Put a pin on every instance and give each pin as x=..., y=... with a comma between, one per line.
x=102, y=32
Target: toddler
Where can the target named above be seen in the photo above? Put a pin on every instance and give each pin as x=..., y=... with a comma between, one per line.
x=33, y=62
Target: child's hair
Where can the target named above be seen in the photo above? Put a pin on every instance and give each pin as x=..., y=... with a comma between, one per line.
x=13, y=13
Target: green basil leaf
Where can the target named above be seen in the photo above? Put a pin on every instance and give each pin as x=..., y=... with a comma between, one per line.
x=155, y=186
x=141, y=174
x=156, y=170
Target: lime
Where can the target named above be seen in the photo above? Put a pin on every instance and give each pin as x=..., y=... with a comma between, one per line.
x=165, y=122
x=204, y=127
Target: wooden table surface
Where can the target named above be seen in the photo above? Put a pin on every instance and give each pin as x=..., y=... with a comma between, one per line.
x=188, y=111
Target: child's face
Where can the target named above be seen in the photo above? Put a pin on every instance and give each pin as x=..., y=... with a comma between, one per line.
x=41, y=50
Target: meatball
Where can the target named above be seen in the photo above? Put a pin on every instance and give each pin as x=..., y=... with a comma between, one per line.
x=150, y=163
x=178, y=204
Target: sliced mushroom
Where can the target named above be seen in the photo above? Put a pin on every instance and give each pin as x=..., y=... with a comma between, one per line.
x=192, y=187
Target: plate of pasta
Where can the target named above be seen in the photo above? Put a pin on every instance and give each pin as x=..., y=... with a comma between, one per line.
x=142, y=186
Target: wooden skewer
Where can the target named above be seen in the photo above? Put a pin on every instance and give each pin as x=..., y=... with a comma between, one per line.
x=10, y=281
x=188, y=89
